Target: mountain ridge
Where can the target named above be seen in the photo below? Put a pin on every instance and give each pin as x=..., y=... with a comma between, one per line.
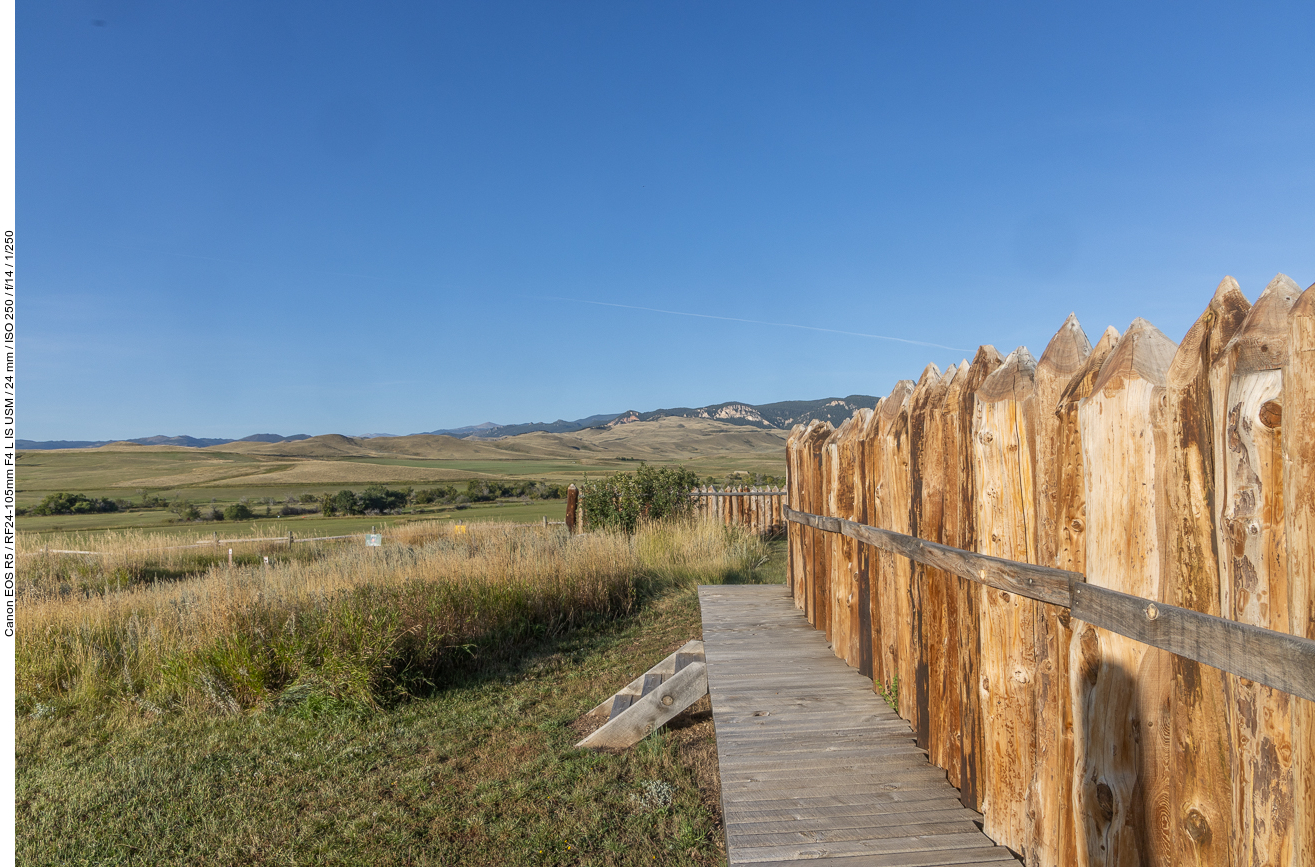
x=781, y=415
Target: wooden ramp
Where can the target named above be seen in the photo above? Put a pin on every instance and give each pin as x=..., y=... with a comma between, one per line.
x=814, y=764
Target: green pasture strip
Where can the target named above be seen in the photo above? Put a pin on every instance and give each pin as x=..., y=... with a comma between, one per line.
x=483, y=772
x=157, y=521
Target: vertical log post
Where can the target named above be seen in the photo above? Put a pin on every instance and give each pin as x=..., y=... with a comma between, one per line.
x=1299, y=492
x=1122, y=539
x=893, y=513
x=924, y=522
x=793, y=532
x=1003, y=447
x=1192, y=812
x=1253, y=564
x=1052, y=840
x=869, y=452
x=572, y=502
x=972, y=747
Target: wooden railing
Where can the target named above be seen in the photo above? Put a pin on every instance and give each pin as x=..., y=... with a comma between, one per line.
x=1277, y=659
x=1089, y=582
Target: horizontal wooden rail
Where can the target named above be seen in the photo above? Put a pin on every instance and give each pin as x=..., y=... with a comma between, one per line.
x=1276, y=659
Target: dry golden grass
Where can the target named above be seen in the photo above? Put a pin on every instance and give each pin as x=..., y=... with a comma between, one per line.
x=341, y=624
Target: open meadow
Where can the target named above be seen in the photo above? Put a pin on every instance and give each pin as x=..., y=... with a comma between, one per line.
x=269, y=476
x=407, y=704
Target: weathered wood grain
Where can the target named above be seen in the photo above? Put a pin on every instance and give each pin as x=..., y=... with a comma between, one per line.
x=1253, y=564
x=1299, y=513
x=1071, y=555
x=972, y=747
x=930, y=585
x=1049, y=800
x=950, y=709
x=1122, y=541
x=920, y=523
x=814, y=544
x=869, y=454
x=1004, y=456
x=794, y=484
x=862, y=567
x=855, y=562
x=891, y=498
x=1199, y=804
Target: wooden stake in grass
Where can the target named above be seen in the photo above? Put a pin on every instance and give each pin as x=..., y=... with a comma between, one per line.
x=572, y=499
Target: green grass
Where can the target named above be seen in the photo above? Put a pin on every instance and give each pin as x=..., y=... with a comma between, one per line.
x=161, y=520
x=501, y=468
x=482, y=772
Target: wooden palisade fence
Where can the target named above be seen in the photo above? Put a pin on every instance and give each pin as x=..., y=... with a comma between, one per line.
x=1146, y=482
x=758, y=508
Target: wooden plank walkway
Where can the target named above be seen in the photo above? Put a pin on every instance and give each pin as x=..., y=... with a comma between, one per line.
x=814, y=764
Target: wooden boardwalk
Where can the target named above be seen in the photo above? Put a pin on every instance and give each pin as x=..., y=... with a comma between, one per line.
x=814, y=764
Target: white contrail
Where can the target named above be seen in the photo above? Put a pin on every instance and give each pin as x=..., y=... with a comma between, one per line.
x=760, y=322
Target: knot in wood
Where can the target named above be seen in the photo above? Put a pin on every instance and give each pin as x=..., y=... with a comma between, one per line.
x=1197, y=827
x=1152, y=612
x=1271, y=414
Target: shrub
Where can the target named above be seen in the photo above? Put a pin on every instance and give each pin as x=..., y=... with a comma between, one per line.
x=238, y=512
x=73, y=504
x=620, y=501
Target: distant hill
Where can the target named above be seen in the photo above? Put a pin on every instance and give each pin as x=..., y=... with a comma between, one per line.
x=490, y=430
x=160, y=440
x=782, y=415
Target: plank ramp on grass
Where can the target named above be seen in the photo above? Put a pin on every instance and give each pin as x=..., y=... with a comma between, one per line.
x=814, y=764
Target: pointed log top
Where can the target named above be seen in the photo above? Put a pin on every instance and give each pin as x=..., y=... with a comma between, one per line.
x=1305, y=305
x=1079, y=386
x=849, y=425
x=987, y=355
x=1067, y=350
x=1301, y=330
x=1144, y=352
x=1228, y=288
x=817, y=432
x=871, y=422
x=1012, y=380
x=1262, y=342
x=795, y=433
x=1208, y=336
x=949, y=375
x=1109, y=339
x=898, y=398
x=930, y=374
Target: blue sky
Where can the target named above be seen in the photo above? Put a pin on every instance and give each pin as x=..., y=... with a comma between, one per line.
x=313, y=218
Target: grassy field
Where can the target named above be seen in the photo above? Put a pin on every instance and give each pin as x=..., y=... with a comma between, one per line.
x=265, y=716
x=158, y=521
x=256, y=472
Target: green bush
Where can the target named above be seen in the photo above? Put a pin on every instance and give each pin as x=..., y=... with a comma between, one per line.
x=622, y=500
x=238, y=512
x=73, y=504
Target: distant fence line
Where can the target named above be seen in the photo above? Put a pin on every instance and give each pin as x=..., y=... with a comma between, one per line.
x=757, y=508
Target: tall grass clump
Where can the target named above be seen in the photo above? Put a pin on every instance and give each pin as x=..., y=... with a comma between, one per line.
x=349, y=628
